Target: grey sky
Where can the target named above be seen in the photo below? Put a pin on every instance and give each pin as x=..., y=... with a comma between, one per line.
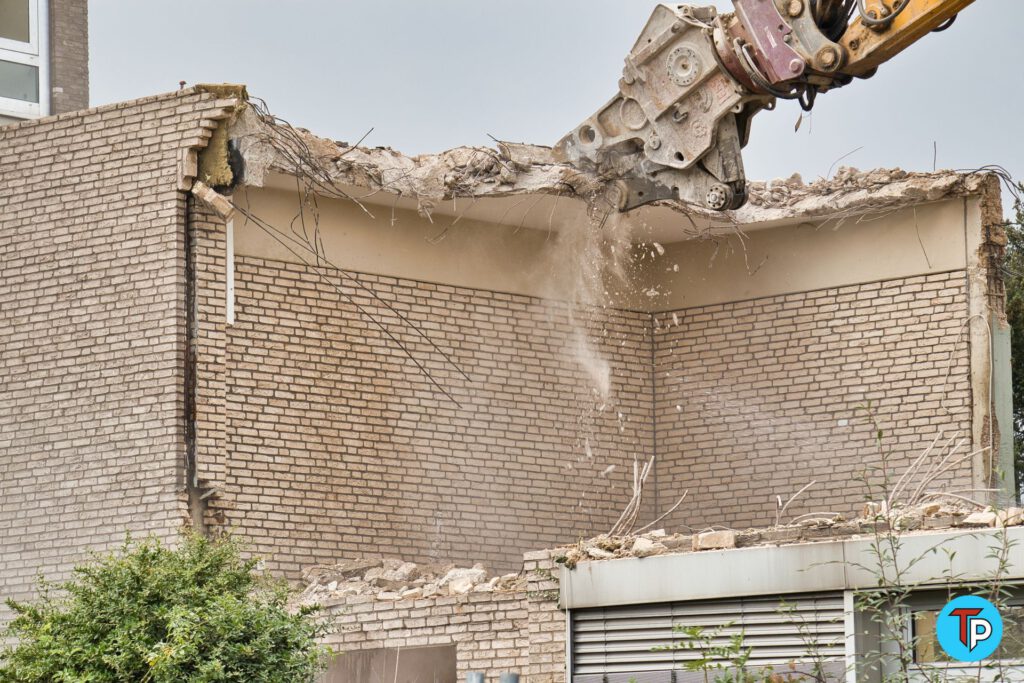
x=428, y=75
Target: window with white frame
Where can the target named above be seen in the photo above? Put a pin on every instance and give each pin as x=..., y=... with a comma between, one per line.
x=22, y=62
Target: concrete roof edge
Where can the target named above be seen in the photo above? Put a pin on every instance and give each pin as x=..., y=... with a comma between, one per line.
x=512, y=169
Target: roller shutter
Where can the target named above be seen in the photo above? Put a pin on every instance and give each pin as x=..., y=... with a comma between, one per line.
x=614, y=644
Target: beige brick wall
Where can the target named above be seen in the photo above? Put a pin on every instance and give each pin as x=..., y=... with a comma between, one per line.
x=517, y=631
x=758, y=398
x=338, y=447
x=91, y=330
x=334, y=446
x=69, y=55
x=208, y=261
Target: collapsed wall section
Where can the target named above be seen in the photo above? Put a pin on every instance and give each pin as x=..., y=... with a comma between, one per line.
x=91, y=329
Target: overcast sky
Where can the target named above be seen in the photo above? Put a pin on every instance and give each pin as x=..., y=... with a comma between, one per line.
x=431, y=74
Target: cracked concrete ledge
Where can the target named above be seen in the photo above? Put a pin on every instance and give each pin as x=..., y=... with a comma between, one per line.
x=521, y=169
x=852, y=192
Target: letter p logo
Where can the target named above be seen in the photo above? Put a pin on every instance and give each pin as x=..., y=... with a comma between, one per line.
x=981, y=630
x=969, y=628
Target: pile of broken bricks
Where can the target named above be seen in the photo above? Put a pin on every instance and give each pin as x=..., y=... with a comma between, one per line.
x=391, y=579
x=928, y=517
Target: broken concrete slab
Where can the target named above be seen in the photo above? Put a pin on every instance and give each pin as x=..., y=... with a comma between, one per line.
x=269, y=146
x=983, y=518
x=644, y=547
x=341, y=571
x=715, y=540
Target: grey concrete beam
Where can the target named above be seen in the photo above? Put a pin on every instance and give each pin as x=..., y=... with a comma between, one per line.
x=847, y=564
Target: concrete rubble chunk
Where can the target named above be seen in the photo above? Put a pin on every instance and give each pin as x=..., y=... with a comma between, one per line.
x=644, y=547
x=983, y=518
x=1010, y=517
x=715, y=540
x=461, y=581
x=339, y=572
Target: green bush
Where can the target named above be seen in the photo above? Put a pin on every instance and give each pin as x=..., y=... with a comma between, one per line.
x=148, y=613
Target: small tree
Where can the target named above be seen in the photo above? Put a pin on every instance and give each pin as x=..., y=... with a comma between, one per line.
x=148, y=613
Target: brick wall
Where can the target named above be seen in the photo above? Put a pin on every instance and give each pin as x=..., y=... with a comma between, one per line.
x=69, y=55
x=91, y=329
x=338, y=446
x=493, y=632
x=758, y=398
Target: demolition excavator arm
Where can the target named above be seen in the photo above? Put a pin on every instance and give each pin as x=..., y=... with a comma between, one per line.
x=695, y=78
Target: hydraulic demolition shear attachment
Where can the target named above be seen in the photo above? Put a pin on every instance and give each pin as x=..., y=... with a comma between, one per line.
x=695, y=78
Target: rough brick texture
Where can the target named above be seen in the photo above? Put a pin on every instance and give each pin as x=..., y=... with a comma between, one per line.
x=339, y=447
x=758, y=398
x=91, y=329
x=69, y=55
x=516, y=631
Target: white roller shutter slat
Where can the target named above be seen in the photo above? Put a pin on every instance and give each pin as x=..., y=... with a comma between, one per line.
x=614, y=643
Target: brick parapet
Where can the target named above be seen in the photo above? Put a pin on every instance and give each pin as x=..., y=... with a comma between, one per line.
x=92, y=329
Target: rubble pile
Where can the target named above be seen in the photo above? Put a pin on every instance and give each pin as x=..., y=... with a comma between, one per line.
x=392, y=579
x=851, y=191
x=516, y=169
x=932, y=516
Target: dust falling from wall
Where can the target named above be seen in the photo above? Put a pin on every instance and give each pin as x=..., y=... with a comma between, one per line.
x=588, y=261
x=586, y=273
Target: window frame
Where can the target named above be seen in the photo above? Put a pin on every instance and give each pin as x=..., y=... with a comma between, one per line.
x=933, y=601
x=31, y=54
x=32, y=46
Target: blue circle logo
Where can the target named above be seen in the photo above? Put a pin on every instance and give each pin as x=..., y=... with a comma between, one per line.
x=969, y=628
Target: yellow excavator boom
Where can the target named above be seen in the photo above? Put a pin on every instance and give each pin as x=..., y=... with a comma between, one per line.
x=695, y=78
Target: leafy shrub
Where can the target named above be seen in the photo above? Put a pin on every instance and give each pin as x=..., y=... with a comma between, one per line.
x=152, y=614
